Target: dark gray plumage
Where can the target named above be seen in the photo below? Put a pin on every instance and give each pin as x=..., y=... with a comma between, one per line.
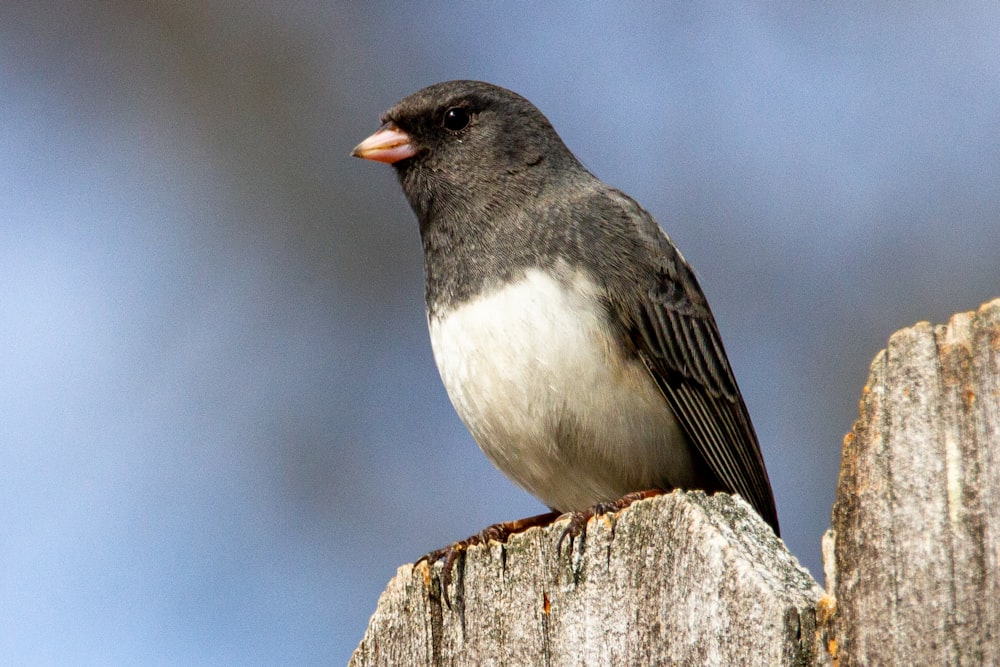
x=572, y=336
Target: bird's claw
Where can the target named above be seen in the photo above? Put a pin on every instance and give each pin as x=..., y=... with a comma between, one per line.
x=577, y=527
x=498, y=532
x=578, y=520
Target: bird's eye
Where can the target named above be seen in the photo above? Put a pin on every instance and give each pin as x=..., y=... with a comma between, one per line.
x=456, y=118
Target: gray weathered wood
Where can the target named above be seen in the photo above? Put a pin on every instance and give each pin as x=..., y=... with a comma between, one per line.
x=682, y=579
x=916, y=522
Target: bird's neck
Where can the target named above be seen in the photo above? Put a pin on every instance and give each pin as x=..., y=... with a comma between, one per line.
x=466, y=254
x=474, y=241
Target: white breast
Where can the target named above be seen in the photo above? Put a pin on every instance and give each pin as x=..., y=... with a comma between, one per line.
x=533, y=372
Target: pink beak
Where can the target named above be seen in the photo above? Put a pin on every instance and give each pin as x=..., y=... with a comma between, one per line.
x=389, y=144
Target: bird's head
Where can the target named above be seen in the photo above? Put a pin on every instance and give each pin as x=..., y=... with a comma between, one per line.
x=462, y=143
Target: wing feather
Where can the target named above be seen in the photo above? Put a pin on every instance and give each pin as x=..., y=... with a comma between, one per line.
x=668, y=322
x=679, y=341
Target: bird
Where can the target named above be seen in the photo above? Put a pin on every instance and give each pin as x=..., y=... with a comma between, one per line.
x=571, y=335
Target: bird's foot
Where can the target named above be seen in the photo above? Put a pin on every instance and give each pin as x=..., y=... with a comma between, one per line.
x=578, y=520
x=498, y=532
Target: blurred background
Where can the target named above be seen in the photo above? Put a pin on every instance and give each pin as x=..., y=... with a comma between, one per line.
x=221, y=427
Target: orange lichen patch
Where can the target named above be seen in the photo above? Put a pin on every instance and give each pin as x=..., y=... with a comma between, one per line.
x=849, y=454
x=425, y=572
x=826, y=609
x=970, y=397
x=546, y=605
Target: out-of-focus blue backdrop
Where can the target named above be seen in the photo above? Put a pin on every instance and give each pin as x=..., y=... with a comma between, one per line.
x=221, y=427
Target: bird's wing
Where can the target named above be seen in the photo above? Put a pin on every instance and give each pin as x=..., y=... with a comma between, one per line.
x=676, y=336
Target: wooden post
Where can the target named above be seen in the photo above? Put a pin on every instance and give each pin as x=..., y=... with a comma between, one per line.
x=916, y=522
x=679, y=579
x=912, y=560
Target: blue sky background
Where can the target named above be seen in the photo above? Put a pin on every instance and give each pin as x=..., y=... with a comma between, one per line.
x=221, y=427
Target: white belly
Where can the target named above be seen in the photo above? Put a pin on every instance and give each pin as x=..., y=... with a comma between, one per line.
x=535, y=376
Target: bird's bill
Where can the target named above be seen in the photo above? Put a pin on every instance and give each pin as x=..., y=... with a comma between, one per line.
x=389, y=144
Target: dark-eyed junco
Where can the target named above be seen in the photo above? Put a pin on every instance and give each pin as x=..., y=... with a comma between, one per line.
x=570, y=333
